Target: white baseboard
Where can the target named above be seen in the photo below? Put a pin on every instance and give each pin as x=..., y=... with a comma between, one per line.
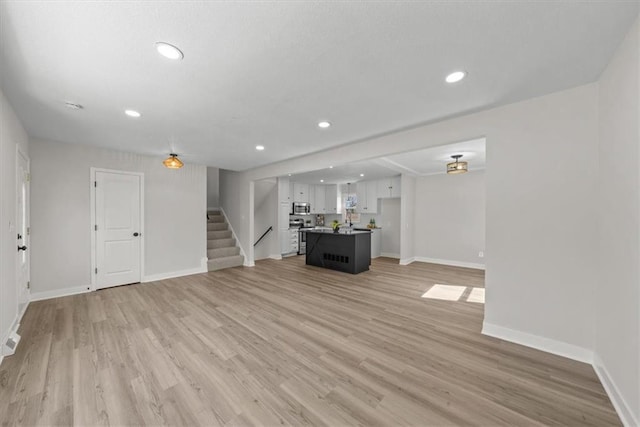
x=450, y=262
x=621, y=406
x=407, y=261
x=174, y=274
x=540, y=343
x=38, y=296
x=390, y=255
x=276, y=256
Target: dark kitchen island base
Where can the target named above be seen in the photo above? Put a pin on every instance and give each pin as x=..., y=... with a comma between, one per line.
x=345, y=251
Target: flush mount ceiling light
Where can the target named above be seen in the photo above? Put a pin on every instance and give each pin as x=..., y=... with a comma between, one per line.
x=322, y=180
x=173, y=162
x=259, y=147
x=169, y=51
x=457, y=166
x=456, y=76
x=330, y=167
x=73, y=105
x=361, y=174
x=324, y=124
x=132, y=113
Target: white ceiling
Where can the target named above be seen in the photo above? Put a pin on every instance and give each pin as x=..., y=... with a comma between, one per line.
x=267, y=72
x=428, y=161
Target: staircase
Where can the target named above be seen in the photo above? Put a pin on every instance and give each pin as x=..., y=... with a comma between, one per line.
x=221, y=246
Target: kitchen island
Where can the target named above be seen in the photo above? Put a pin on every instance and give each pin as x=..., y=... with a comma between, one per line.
x=348, y=250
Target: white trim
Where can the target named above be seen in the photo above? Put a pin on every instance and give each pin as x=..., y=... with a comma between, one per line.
x=275, y=256
x=390, y=255
x=541, y=343
x=174, y=274
x=407, y=261
x=15, y=325
x=39, y=296
x=621, y=406
x=27, y=237
x=233, y=233
x=92, y=202
x=450, y=262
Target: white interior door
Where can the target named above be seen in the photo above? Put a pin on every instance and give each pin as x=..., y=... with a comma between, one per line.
x=118, y=228
x=22, y=228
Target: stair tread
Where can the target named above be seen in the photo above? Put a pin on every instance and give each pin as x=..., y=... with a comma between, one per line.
x=225, y=262
x=222, y=249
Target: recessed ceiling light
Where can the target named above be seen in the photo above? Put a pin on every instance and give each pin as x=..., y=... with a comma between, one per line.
x=132, y=113
x=324, y=124
x=169, y=51
x=456, y=76
x=330, y=167
x=259, y=147
x=73, y=105
x=289, y=174
x=322, y=180
x=361, y=174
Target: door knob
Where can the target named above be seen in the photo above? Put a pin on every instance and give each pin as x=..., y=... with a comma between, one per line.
x=136, y=234
x=22, y=248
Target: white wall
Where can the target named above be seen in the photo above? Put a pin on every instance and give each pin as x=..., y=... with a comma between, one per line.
x=175, y=214
x=266, y=215
x=390, y=223
x=236, y=199
x=541, y=238
x=407, y=219
x=618, y=291
x=213, y=183
x=12, y=135
x=450, y=218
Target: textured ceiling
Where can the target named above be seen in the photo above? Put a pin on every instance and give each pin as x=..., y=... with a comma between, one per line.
x=266, y=72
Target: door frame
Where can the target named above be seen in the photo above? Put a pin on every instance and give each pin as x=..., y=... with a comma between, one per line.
x=27, y=238
x=92, y=192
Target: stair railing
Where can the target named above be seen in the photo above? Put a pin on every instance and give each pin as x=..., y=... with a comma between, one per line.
x=263, y=234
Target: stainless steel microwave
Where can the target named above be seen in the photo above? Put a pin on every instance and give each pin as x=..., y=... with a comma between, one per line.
x=301, y=208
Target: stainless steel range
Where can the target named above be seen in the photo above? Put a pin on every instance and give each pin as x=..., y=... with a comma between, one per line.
x=302, y=240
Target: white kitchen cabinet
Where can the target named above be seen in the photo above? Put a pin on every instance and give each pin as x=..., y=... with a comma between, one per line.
x=293, y=239
x=285, y=242
x=312, y=196
x=284, y=192
x=395, y=186
x=367, y=192
x=283, y=228
x=376, y=242
x=389, y=187
x=300, y=192
x=331, y=199
x=372, y=197
x=318, y=205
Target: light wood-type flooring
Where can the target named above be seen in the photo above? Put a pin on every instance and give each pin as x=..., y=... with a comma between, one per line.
x=286, y=344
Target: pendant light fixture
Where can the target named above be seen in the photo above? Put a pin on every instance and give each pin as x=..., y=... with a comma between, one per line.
x=173, y=162
x=457, y=166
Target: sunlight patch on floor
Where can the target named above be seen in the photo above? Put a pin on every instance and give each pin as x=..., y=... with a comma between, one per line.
x=445, y=292
x=455, y=293
x=476, y=295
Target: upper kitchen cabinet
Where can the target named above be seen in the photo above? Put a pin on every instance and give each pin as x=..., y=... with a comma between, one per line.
x=389, y=187
x=301, y=193
x=318, y=204
x=331, y=199
x=284, y=192
x=367, y=193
